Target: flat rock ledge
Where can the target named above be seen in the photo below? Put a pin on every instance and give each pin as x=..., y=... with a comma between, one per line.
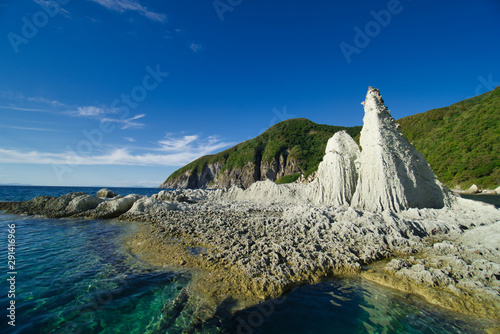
x=253, y=251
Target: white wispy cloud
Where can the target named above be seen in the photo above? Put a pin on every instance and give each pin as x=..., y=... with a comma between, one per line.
x=89, y=111
x=122, y=6
x=195, y=47
x=53, y=6
x=18, y=101
x=43, y=104
x=177, y=144
x=44, y=100
x=129, y=139
x=178, y=152
x=127, y=123
x=22, y=109
x=32, y=129
x=104, y=113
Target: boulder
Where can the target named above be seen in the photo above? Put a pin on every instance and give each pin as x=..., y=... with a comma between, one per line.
x=393, y=175
x=171, y=196
x=106, y=193
x=151, y=205
x=497, y=190
x=57, y=207
x=474, y=189
x=53, y=207
x=83, y=203
x=115, y=207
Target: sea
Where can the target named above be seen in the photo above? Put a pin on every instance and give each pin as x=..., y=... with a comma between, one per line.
x=75, y=276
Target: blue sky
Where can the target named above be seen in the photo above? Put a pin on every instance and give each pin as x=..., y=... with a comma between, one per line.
x=124, y=92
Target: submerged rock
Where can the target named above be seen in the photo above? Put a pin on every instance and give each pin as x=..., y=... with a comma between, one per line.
x=393, y=175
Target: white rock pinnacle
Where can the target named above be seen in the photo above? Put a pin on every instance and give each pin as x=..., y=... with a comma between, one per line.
x=337, y=173
x=393, y=175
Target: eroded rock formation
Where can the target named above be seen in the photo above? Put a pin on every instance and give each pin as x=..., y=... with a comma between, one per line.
x=337, y=173
x=393, y=175
x=388, y=174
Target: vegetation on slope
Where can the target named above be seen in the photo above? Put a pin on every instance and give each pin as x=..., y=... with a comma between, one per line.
x=304, y=140
x=461, y=142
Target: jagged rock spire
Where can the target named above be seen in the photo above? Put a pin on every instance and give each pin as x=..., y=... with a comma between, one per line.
x=393, y=175
x=337, y=173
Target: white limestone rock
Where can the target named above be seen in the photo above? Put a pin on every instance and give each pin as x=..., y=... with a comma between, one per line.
x=151, y=205
x=483, y=236
x=115, y=207
x=266, y=192
x=83, y=203
x=393, y=175
x=474, y=189
x=337, y=173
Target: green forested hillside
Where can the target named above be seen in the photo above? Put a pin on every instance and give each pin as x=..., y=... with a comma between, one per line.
x=461, y=142
x=305, y=141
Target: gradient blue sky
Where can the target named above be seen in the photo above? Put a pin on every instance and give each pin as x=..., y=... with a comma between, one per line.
x=233, y=71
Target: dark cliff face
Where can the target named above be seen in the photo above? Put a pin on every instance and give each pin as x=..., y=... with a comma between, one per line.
x=214, y=177
x=195, y=180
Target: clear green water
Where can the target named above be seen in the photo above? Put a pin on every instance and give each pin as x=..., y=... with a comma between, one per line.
x=74, y=276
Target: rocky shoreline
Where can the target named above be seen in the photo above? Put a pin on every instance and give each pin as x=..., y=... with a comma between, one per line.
x=379, y=213
x=254, y=251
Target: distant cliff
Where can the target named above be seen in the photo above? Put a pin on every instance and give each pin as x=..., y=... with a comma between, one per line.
x=283, y=153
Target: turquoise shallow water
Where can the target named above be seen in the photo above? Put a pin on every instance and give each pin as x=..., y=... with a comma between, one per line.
x=74, y=276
